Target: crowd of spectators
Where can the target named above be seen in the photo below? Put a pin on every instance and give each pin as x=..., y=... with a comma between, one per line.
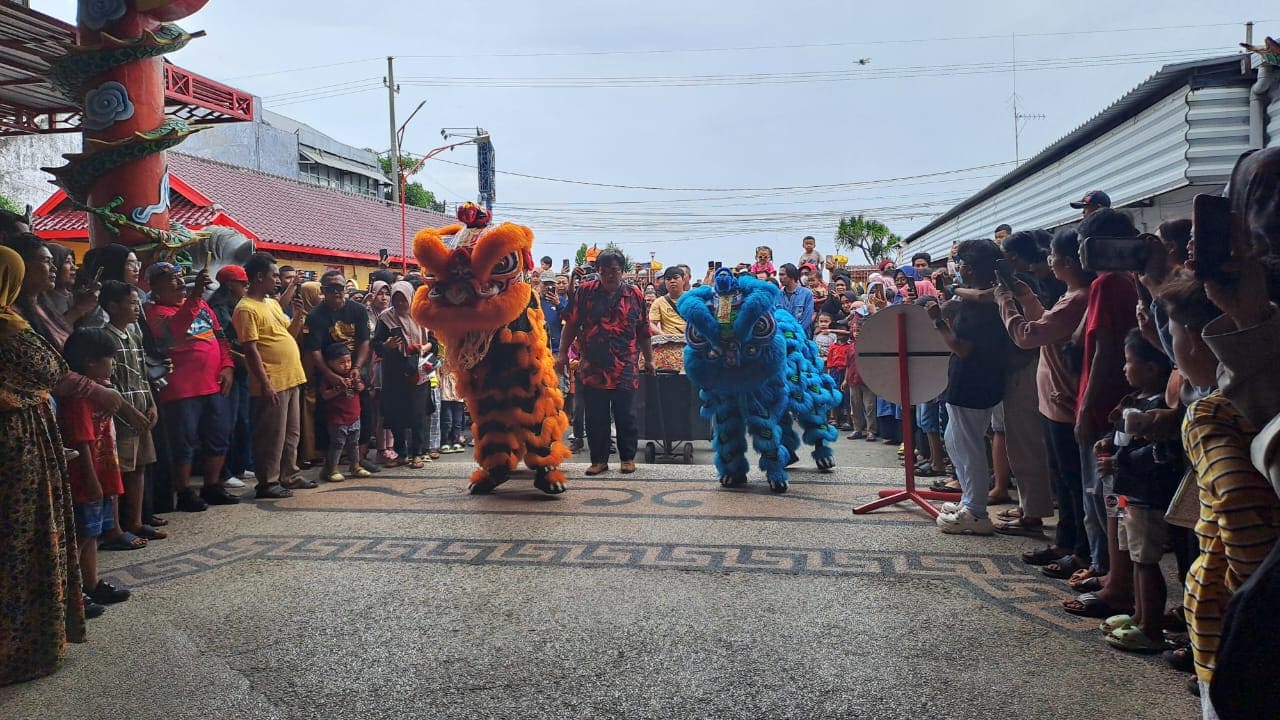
x=1132, y=403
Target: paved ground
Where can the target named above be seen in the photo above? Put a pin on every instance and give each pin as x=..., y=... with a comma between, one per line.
x=655, y=596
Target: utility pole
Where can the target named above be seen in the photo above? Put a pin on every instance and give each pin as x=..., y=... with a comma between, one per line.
x=392, y=89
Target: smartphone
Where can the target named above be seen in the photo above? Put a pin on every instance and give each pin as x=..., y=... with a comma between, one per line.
x=1004, y=271
x=1210, y=236
x=384, y=255
x=712, y=264
x=1113, y=254
x=396, y=332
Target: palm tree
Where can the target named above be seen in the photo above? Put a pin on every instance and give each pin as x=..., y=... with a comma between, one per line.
x=869, y=236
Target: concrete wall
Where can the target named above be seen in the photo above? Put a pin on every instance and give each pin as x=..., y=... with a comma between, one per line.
x=255, y=145
x=21, y=179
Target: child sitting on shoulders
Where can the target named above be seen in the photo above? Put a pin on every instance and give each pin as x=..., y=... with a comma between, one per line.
x=342, y=413
x=94, y=475
x=764, y=263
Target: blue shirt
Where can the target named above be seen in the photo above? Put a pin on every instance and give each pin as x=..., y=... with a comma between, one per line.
x=799, y=304
x=553, y=312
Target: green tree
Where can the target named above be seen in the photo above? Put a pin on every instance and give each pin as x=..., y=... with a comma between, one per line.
x=580, y=257
x=414, y=193
x=866, y=235
x=11, y=206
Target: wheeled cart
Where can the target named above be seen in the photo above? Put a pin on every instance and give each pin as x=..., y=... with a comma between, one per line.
x=667, y=416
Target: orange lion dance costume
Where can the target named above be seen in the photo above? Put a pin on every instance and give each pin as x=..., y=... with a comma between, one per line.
x=477, y=302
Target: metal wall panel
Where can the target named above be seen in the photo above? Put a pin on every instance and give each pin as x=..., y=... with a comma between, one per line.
x=1217, y=132
x=1141, y=158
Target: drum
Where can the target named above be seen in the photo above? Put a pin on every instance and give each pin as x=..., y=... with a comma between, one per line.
x=668, y=353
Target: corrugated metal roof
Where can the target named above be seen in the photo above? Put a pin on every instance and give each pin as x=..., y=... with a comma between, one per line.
x=1159, y=92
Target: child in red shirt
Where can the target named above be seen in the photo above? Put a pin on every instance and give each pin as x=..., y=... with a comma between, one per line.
x=837, y=362
x=342, y=413
x=95, y=474
x=862, y=402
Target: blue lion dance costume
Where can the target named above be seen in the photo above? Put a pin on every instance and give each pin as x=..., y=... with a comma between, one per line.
x=756, y=372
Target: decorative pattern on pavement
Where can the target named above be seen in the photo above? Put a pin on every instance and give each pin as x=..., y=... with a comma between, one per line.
x=1000, y=581
x=812, y=498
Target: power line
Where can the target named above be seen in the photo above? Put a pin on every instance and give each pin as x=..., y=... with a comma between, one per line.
x=812, y=76
x=797, y=46
x=747, y=48
x=854, y=183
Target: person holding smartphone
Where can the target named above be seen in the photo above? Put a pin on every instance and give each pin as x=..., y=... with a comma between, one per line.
x=553, y=307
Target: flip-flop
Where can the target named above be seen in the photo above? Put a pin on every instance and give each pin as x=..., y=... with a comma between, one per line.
x=272, y=492
x=1092, y=606
x=150, y=533
x=154, y=521
x=942, y=486
x=124, y=541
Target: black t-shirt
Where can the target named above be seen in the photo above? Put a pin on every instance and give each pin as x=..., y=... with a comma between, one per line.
x=349, y=326
x=977, y=381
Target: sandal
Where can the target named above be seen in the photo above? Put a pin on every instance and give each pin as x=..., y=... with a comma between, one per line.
x=272, y=492
x=297, y=482
x=1063, y=568
x=150, y=533
x=154, y=521
x=1092, y=606
x=1044, y=556
x=1180, y=658
x=1018, y=527
x=1132, y=639
x=1013, y=513
x=946, y=486
x=124, y=541
x=433, y=455
x=928, y=471
x=1117, y=622
x=416, y=464
x=1080, y=578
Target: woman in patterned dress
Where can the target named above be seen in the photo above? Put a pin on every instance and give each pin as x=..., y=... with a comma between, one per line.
x=41, y=605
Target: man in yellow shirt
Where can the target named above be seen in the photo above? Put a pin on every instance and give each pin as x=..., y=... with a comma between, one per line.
x=276, y=378
x=663, y=318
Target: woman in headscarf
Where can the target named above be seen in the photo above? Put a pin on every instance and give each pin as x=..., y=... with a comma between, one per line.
x=406, y=393
x=309, y=296
x=40, y=597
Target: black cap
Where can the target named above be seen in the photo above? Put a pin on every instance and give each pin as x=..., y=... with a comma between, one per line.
x=1093, y=197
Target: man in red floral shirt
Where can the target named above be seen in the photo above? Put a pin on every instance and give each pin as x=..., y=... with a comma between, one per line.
x=609, y=322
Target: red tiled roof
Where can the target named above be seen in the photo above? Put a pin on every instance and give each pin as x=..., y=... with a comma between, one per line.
x=276, y=211
x=280, y=211
x=65, y=218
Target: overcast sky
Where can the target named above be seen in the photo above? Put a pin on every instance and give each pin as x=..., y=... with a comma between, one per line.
x=781, y=102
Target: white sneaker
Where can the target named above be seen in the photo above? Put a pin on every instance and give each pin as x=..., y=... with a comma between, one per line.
x=951, y=508
x=248, y=475
x=233, y=482
x=964, y=523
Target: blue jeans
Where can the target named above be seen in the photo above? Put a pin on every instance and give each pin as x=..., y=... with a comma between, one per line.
x=1095, y=510
x=966, y=440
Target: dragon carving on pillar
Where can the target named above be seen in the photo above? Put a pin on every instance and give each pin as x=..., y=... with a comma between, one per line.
x=116, y=73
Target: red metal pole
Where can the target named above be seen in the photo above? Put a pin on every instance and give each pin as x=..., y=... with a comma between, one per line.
x=907, y=424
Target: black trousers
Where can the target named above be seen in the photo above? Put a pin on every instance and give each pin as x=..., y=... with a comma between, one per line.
x=601, y=405
x=1064, y=464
